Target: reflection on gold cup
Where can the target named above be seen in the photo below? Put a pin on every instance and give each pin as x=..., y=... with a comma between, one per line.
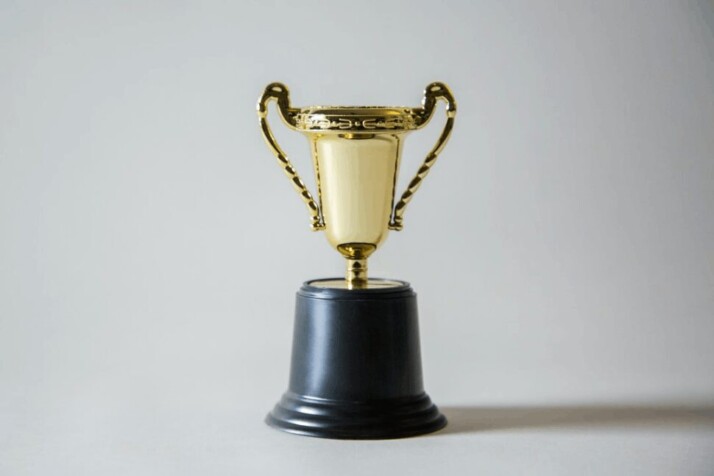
x=356, y=153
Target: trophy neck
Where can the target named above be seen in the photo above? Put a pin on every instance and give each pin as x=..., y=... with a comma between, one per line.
x=356, y=255
x=356, y=276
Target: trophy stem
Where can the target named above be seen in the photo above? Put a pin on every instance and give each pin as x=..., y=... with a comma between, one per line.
x=356, y=276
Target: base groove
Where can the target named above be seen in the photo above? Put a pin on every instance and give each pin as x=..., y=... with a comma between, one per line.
x=381, y=419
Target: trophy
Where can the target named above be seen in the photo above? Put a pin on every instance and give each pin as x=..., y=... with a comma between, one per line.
x=356, y=364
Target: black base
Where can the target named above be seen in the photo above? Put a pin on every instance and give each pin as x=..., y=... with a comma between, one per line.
x=356, y=367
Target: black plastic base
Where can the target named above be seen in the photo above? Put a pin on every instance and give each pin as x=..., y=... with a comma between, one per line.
x=356, y=367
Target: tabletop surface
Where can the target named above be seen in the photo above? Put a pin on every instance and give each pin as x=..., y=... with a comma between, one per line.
x=109, y=438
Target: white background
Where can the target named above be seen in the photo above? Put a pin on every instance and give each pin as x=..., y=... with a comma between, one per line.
x=562, y=247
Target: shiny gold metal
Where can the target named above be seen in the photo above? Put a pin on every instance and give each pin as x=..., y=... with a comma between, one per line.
x=278, y=92
x=356, y=273
x=356, y=152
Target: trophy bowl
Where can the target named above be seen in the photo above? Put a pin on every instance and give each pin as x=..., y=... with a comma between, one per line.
x=356, y=363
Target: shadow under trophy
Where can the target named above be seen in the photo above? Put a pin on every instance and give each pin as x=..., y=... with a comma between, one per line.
x=356, y=365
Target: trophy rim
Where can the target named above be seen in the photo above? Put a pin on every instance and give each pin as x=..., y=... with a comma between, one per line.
x=359, y=118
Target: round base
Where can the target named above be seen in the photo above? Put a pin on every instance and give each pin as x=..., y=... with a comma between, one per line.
x=356, y=365
x=397, y=418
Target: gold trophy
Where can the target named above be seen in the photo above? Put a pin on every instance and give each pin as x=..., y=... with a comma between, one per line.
x=356, y=365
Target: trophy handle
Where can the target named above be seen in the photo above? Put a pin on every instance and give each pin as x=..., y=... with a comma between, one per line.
x=432, y=94
x=279, y=93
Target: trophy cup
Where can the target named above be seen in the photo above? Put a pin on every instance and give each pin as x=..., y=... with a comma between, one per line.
x=356, y=365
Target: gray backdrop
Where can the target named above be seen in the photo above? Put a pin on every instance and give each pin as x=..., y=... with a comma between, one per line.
x=150, y=248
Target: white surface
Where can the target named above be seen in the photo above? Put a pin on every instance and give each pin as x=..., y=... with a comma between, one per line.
x=491, y=440
x=150, y=247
